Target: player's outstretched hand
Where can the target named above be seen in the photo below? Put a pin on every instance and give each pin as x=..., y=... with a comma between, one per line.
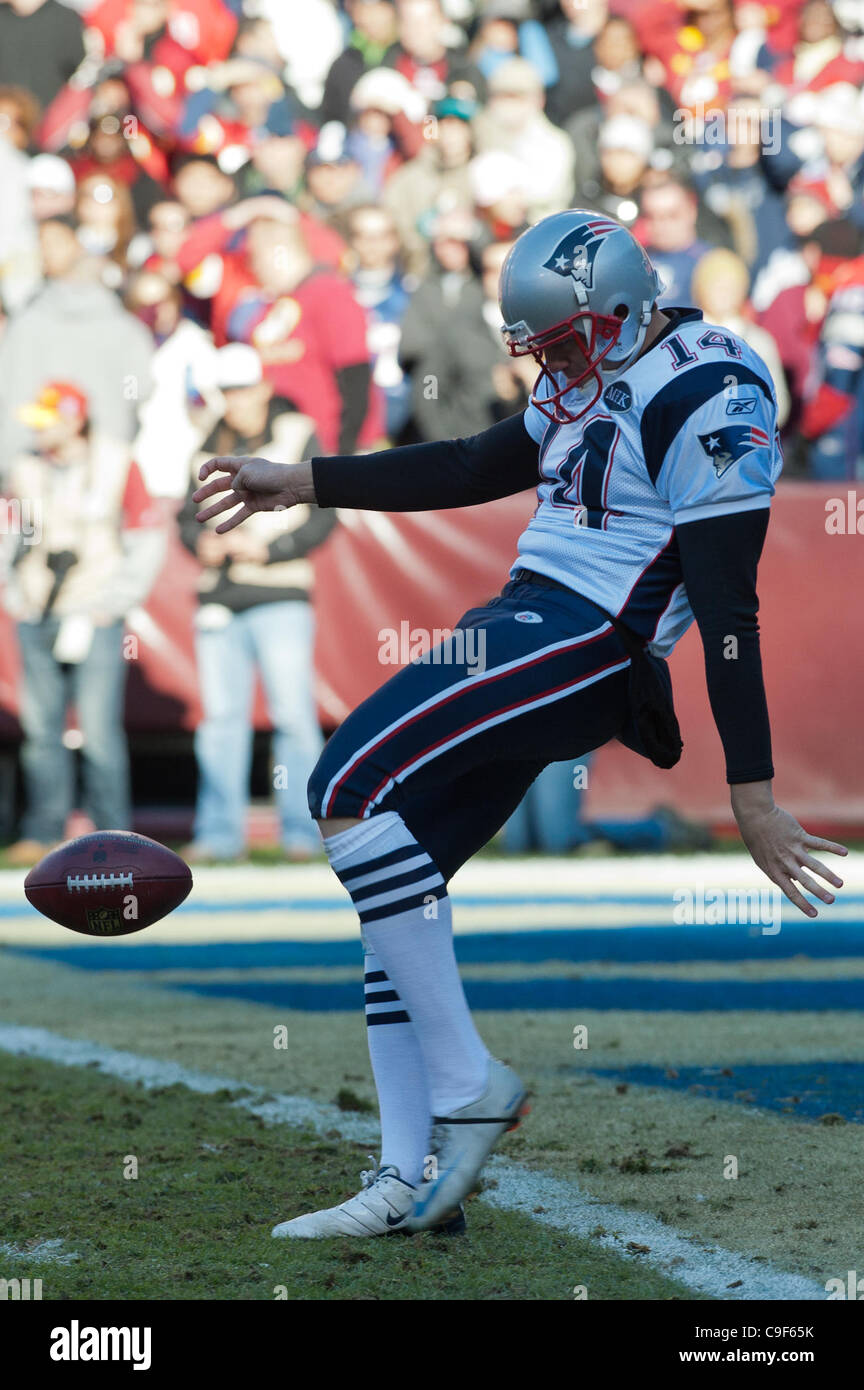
x=251, y=485
x=783, y=849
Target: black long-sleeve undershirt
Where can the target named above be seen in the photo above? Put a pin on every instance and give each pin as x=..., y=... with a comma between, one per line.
x=431, y=477
x=719, y=559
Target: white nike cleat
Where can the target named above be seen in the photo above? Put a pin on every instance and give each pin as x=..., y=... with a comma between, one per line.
x=383, y=1205
x=462, y=1142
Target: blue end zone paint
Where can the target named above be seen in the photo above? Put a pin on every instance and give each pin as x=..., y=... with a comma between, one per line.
x=615, y=944
x=652, y=996
x=288, y=905
x=807, y=1090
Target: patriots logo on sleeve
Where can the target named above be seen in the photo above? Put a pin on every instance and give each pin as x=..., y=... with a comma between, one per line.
x=729, y=443
x=575, y=255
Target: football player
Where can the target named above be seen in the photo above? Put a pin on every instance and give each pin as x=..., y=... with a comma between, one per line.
x=651, y=438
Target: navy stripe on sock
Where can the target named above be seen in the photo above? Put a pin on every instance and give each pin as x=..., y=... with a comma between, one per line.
x=374, y=977
x=374, y=1019
x=384, y=861
x=377, y=914
x=387, y=885
x=383, y=996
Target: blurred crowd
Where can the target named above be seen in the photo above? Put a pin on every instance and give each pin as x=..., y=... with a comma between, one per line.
x=276, y=227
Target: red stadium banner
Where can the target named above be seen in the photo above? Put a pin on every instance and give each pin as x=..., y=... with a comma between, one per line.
x=409, y=574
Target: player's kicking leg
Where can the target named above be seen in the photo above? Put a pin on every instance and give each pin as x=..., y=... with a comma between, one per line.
x=388, y=1192
x=550, y=687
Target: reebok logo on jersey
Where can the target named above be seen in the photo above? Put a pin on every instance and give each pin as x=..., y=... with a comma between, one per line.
x=728, y=444
x=528, y=617
x=741, y=405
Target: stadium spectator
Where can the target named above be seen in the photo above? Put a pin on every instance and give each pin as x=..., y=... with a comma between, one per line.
x=98, y=550
x=833, y=417
x=254, y=617
x=619, y=59
x=310, y=332
x=667, y=230
x=223, y=117
x=720, y=287
x=372, y=33
x=733, y=183
x=500, y=196
x=422, y=55
x=335, y=180
x=19, y=257
x=513, y=121
x=106, y=223
x=624, y=146
x=159, y=246
x=309, y=35
x=840, y=124
x=806, y=210
x=19, y=113
x=383, y=290
x=551, y=819
x=41, y=45
x=276, y=158
x=107, y=151
x=213, y=257
x=456, y=359
x=637, y=100
x=435, y=180
x=385, y=110
x=573, y=34
x=506, y=29
x=256, y=38
x=75, y=329
x=792, y=312
x=52, y=187
x=819, y=59
x=168, y=34
x=174, y=418
x=201, y=186
x=695, y=55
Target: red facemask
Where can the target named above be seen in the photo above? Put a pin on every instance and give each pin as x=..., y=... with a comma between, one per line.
x=600, y=329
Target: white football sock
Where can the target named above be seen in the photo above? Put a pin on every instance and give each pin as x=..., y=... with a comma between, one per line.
x=405, y=916
x=400, y=1076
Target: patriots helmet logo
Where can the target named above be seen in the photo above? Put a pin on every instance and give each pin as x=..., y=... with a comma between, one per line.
x=575, y=255
x=729, y=443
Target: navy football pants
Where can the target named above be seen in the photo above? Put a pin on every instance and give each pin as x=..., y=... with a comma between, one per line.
x=453, y=744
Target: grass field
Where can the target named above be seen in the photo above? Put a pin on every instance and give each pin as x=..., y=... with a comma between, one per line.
x=702, y=1047
x=195, y=1222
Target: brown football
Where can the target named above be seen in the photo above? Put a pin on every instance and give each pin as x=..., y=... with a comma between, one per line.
x=110, y=883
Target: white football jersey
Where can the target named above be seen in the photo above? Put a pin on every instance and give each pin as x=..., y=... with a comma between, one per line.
x=689, y=431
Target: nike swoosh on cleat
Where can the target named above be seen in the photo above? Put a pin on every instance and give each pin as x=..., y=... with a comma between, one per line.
x=422, y=1203
x=397, y=1222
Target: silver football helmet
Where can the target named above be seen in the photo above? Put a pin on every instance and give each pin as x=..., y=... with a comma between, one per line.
x=577, y=275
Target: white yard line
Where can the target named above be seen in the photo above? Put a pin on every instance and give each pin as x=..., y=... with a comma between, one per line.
x=704, y=1268
x=701, y=1267
x=46, y=1252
